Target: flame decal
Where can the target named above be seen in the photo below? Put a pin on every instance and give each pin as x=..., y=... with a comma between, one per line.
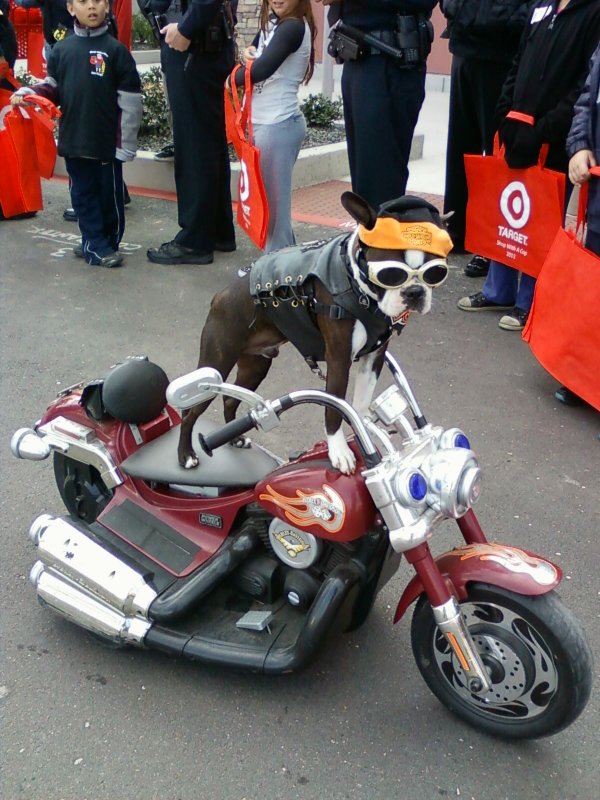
x=512, y=559
x=324, y=508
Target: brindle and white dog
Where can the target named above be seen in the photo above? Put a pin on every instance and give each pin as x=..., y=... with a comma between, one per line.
x=390, y=264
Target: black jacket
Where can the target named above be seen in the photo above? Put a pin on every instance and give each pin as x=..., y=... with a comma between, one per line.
x=489, y=30
x=546, y=78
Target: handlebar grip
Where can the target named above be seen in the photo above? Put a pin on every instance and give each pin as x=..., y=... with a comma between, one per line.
x=227, y=433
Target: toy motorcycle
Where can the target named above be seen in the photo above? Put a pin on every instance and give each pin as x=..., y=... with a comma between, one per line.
x=252, y=562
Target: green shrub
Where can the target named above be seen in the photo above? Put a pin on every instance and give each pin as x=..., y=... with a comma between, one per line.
x=142, y=32
x=154, y=119
x=26, y=79
x=320, y=112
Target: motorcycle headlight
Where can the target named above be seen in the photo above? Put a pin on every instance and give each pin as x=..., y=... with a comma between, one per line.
x=454, y=437
x=410, y=487
x=454, y=480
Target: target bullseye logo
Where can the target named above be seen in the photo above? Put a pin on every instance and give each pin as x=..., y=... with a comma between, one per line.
x=244, y=185
x=515, y=205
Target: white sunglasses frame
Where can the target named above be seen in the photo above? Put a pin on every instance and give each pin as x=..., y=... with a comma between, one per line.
x=377, y=266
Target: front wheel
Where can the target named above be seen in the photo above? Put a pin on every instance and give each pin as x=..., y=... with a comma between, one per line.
x=534, y=650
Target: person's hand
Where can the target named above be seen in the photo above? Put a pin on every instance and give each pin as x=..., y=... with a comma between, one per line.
x=579, y=166
x=249, y=54
x=175, y=40
x=19, y=100
x=521, y=142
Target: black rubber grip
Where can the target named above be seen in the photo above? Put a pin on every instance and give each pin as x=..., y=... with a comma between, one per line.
x=232, y=430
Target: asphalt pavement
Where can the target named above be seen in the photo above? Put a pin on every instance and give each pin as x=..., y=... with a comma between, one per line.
x=82, y=722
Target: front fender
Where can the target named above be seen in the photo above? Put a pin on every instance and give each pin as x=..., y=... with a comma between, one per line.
x=497, y=564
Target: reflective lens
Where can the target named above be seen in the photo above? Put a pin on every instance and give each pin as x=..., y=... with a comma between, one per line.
x=391, y=275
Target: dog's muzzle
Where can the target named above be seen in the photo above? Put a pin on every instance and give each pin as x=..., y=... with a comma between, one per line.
x=393, y=274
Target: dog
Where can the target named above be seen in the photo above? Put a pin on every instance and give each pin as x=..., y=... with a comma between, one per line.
x=337, y=301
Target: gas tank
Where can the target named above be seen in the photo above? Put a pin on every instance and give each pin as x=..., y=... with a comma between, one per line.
x=318, y=499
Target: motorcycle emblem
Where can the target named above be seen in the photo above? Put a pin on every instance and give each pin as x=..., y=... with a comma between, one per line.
x=512, y=559
x=292, y=543
x=324, y=508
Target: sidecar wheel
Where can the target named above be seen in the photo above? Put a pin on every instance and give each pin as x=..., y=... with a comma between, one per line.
x=536, y=654
x=81, y=488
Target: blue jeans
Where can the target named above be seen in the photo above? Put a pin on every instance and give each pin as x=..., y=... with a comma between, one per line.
x=279, y=145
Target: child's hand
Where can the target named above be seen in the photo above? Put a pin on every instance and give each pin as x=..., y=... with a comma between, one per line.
x=19, y=100
x=249, y=53
x=579, y=166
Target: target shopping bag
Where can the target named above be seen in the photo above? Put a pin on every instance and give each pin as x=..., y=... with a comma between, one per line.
x=563, y=328
x=513, y=214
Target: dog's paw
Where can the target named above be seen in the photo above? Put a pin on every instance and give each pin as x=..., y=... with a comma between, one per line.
x=242, y=443
x=189, y=461
x=340, y=454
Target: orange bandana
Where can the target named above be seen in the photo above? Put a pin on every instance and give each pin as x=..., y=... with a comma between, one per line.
x=390, y=234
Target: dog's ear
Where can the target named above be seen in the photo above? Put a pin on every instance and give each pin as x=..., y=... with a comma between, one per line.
x=359, y=209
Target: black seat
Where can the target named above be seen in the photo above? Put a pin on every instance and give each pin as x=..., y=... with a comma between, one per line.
x=228, y=466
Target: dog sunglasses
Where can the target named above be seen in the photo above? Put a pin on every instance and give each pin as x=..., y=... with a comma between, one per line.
x=393, y=274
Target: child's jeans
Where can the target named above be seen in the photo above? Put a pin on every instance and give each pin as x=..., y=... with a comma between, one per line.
x=97, y=197
x=279, y=145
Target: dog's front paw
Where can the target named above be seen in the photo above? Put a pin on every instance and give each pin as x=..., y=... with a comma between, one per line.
x=188, y=460
x=340, y=454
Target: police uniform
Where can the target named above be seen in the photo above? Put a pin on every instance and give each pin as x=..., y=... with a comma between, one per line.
x=195, y=80
x=383, y=94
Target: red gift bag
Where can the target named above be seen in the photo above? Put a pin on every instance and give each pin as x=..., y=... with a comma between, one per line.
x=563, y=329
x=512, y=214
x=252, y=206
x=27, y=150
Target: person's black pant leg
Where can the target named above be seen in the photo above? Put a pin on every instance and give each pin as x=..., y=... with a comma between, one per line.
x=202, y=171
x=113, y=207
x=474, y=90
x=381, y=108
x=86, y=197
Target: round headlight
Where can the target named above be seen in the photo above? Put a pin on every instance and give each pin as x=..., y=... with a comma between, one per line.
x=454, y=437
x=411, y=487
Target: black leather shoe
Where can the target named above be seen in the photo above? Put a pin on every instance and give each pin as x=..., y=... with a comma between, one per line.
x=174, y=253
x=70, y=215
x=477, y=267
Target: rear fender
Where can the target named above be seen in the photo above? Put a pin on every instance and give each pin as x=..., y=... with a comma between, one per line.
x=497, y=564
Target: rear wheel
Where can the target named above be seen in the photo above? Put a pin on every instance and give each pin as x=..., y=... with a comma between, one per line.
x=534, y=650
x=83, y=491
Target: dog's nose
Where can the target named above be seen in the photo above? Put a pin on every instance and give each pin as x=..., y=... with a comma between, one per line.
x=413, y=292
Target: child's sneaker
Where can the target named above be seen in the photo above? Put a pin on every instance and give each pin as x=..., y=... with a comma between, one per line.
x=479, y=302
x=515, y=321
x=167, y=153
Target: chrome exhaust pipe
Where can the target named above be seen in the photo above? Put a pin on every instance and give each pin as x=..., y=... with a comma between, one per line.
x=80, y=607
x=73, y=556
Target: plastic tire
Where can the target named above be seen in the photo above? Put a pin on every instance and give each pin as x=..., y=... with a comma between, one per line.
x=535, y=651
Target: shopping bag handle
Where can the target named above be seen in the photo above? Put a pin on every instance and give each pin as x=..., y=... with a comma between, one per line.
x=583, y=202
x=235, y=98
x=527, y=119
x=248, y=99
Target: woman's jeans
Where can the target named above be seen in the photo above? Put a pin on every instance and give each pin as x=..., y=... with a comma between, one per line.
x=502, y=285
x=279, y=145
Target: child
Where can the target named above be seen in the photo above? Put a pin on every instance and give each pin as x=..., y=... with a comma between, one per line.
x=93, y=78
x=583, y=148
x=282, y=58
